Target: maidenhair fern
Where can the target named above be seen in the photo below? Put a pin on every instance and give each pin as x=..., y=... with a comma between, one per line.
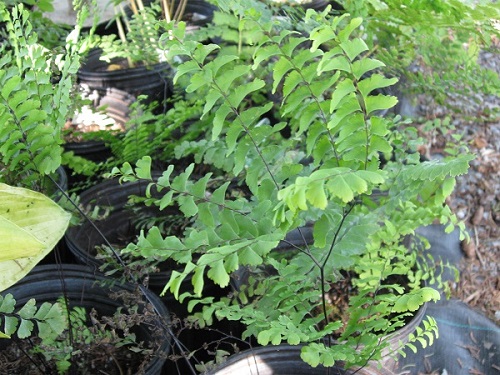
x=48, y=319
x=331, y=171
x=238, y=236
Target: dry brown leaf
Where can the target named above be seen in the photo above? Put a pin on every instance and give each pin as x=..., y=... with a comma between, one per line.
x=480, y=142
x=478, y=215
x=469, y=249
x=113, y=67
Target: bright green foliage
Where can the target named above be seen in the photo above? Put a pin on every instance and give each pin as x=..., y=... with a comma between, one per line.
x=425, y=336
x=43, y=5
x=443, y=37
x=158, y=134
x=238, y=235
x=412, y=302
x=48, y=319
x=341, y=183
x=230, y=23
x=51, y=35
x=140, y=42
x=34, y=100
x=329, y=95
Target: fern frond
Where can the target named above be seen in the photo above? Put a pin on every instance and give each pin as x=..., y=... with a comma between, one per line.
x=48, y=318
x=33, y=108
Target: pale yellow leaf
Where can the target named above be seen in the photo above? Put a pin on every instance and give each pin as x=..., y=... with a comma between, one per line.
x=31, y=225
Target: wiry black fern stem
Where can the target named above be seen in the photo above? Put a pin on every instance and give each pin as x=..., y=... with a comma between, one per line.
x=167, y=328
x=80, y=211
x=323, y=299
x=66, y=303
x=165, y=325
x=322, y=267
x=247, y=132
x=362, y=104
x=305, y=250
x=115, y=254
x=337, y=232
x=365, y=364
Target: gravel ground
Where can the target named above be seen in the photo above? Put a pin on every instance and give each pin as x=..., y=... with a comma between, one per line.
x=476, y=199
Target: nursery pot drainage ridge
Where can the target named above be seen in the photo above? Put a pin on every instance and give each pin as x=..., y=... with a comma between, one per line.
x=152, y=80
x=116, y=111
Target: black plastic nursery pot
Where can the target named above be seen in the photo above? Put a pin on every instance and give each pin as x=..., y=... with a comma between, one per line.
x=319, y=5
x=152, y=80
x=116, y=223
x=83, y=288
x=119, y=226
x=197, y=13
x=116, y=105
x=279, y=360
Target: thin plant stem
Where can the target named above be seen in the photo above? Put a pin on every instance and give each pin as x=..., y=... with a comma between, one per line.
x=133, y=6
x=179, y=12
x=121, y=33
x=166, y=10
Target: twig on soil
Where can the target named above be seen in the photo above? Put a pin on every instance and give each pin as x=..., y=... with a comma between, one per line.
x=478, y=252
x=472, y=296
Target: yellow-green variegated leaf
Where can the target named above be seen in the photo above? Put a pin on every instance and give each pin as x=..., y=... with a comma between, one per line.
x=16, y=242
x=31, y=224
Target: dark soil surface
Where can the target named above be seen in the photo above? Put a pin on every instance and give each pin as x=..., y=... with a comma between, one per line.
x=105, y=358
